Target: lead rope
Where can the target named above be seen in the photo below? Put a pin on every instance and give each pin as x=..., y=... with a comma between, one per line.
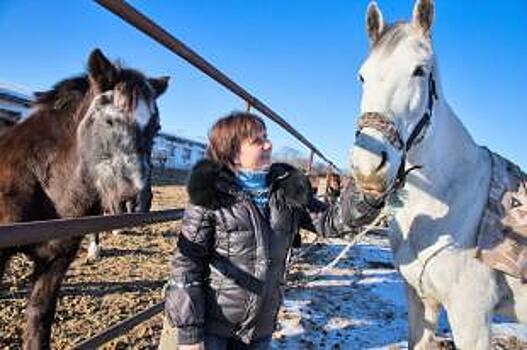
x=314, y=273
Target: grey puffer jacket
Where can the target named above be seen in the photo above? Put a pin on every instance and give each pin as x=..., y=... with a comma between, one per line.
x=228, y=267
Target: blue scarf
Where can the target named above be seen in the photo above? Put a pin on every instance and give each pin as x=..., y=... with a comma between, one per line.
x=254, y=183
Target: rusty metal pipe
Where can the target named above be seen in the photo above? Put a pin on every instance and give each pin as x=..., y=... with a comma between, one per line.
x=156, y=32
x=39, y=231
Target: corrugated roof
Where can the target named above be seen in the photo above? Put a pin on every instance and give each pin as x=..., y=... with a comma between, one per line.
x=15, y=94
x=180, y=139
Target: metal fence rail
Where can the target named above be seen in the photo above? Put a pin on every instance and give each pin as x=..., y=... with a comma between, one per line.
x=120, y=328
x=150, y=28
x=37, y=231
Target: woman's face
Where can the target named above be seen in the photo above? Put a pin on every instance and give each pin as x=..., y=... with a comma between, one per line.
x=255, y=153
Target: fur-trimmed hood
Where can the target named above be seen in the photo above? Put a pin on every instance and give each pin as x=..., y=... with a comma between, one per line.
x=213, y=185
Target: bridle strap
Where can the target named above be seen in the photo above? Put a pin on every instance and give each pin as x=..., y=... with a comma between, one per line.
x=382, y=124
x=425, y=119
x=388, y=129
x=423, y=123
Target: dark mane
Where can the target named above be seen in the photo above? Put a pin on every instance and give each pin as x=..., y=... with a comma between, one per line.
x=71, y=91
x=131, y=84
x=64, y=93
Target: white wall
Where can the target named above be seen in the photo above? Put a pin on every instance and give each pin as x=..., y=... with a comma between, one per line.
x=176, y=155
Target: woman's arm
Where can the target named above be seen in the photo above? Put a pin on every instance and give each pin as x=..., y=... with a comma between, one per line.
x=185, y=296
x=352, y=210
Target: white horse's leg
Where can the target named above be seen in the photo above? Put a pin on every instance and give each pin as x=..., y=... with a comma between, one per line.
x=471, y=327
x=422, y=320
x=514, y=298
x=470, y=307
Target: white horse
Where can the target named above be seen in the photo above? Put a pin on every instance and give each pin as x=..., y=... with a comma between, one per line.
x=405, y=123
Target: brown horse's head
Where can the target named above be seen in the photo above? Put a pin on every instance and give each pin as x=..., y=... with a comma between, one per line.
x=116, y=134
x=84, y=150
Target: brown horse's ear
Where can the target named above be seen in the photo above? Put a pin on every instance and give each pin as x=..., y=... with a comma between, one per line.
x=159, y=84
x=101, y=71
x=374, y=22
x=423, y=16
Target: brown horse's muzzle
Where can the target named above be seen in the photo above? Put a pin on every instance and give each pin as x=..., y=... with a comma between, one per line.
x=131, y=200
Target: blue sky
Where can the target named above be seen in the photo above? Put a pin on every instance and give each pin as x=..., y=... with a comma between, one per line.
x=299, y=57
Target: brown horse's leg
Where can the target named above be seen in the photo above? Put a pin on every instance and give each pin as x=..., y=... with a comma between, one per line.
x=4, y=258
x=48, y=274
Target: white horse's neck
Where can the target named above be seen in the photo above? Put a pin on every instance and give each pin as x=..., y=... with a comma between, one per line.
x=447, y=150
x=447, y=194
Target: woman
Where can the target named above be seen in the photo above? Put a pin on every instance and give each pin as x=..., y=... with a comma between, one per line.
x=228, y=267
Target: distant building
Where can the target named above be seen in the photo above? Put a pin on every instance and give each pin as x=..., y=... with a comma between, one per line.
x=14, y=105
x=176, y=152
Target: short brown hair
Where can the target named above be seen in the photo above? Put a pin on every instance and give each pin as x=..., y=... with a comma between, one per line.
x=227, y=134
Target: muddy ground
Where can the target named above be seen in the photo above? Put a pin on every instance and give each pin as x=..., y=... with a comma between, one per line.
x=127, y=278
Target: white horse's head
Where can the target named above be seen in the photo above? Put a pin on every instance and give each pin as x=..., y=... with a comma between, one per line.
x=398, y=92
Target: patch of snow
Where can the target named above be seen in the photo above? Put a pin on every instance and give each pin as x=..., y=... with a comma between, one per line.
x=508, y=329
x=357, y=304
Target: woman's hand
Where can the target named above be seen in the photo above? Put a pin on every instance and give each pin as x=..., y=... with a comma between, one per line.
x=198, y=346
x=359, y=208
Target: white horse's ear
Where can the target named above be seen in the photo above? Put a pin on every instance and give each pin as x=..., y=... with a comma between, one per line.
x=423, y=16
x=374, y=22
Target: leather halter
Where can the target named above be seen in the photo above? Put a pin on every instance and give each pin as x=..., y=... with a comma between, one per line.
x=388, y=129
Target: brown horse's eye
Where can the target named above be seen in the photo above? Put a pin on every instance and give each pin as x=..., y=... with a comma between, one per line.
x=419, y=71
x=105, y=99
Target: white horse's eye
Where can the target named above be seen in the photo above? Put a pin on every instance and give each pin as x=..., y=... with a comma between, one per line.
x=419, y=71
x=361, y=78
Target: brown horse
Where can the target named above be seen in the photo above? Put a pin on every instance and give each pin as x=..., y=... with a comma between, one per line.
x=85, y=150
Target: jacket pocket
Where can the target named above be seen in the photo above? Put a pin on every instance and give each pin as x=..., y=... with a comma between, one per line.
x=232, y=302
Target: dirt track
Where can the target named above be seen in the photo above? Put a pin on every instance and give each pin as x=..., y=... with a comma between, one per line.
x=126, y=279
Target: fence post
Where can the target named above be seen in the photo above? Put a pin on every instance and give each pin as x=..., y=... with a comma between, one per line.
x=310, y=163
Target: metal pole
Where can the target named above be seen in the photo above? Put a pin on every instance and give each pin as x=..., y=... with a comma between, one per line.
x=150, y=28
x=120, y=328
x=39, y=231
